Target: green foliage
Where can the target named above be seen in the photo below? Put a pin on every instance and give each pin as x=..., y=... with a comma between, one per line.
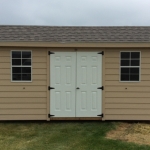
x=61, y=136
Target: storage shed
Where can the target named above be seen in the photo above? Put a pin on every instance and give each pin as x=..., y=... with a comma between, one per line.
x=77, y=73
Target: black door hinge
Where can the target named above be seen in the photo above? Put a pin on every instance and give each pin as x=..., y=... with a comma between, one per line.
x=101, y=53
x=101, y=115
x=102, y=88
x=49, y=115
x=49, y=88
x=49, y=52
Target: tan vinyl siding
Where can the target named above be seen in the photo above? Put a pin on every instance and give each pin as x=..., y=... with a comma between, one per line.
x=22, y=117
x=23, y=100
x=126, y=100
x=18, y=88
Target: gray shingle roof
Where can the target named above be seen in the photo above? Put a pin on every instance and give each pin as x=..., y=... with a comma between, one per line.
x=74, y=34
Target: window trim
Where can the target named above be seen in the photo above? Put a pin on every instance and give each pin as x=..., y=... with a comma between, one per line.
x=129, y=67
x=18, y=66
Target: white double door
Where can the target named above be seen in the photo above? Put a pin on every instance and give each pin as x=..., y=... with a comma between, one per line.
x=75, y=77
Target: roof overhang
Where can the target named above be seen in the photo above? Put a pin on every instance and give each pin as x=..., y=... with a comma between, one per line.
x=76, y=45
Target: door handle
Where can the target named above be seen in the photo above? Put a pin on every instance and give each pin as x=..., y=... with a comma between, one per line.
x=77, y=88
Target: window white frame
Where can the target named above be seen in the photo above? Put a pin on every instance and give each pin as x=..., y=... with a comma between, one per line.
x=20, y=65
x=129, y=67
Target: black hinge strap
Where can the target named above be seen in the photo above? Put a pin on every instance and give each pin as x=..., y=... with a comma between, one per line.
x=102, y=88
x=49, y=53
x=101, y=53
x=101, y=115
x=50, y=88
x=49, y=115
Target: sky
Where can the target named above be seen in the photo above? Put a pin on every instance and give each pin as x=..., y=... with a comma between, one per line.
x=75, y=12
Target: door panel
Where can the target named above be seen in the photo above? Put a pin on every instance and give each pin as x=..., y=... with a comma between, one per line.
x=62, y=78
x=89, y=71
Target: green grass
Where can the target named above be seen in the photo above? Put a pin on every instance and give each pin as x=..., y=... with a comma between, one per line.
x=61, y=136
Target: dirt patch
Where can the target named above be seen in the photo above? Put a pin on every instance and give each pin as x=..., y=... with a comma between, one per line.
x=131, y=132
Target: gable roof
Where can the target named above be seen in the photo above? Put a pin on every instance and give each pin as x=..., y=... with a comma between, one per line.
x=74, y=34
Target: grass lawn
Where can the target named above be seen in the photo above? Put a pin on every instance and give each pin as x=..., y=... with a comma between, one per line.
x=87, y=135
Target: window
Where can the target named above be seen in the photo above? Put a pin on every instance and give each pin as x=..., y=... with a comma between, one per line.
x=21, y=65
x=130, y=66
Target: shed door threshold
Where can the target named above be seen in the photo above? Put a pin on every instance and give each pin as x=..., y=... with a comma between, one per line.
x=76, y=118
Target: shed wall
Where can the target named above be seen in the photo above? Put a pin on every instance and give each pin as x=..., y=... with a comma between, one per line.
x=23, y=100
x=126, y=100
x=30, y=100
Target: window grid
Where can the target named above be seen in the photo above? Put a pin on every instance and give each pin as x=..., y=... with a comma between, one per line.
x=26, y=67
x=130, y=67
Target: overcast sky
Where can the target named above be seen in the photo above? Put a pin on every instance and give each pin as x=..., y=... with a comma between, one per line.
x=75, y=12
